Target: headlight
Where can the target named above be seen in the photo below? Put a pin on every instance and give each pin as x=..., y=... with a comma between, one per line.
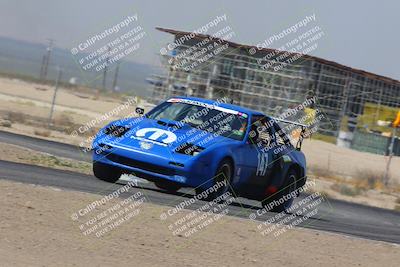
x=189, y=149
x=115, y=130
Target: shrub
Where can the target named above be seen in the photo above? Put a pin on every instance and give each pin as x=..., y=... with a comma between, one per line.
x=319, y=171
x=5, y=123
x=44, y=133
x=16, y=117
x=368, y=179
x=63, y=120
x=346, y=190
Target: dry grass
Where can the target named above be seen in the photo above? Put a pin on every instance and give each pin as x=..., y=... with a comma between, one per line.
x=63, y=120
x=320, y=172
x=5, y=123
x=44, y=133
x=63, y=123
x=363, y=180
x=16, y=117
x=325, y=194
x=369, y=180
x=346, y=190
x=23, y=155
x=60, y=163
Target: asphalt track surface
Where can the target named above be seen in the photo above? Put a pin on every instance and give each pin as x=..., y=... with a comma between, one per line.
x=333, y=215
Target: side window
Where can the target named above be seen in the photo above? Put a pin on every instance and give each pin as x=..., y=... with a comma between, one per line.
x=279, y=139
x=265, y=133
x=281, y=136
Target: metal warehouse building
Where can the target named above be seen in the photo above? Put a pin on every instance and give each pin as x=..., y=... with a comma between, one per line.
x=349, y=97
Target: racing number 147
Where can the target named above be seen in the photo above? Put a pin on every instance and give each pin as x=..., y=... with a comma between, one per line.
x=262, y=164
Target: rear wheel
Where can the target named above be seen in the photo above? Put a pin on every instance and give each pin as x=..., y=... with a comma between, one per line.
x=222, y=181
x=168, y=186
x=106, y=172
x=284, y=196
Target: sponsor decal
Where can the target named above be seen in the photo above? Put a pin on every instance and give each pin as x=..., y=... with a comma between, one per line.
x=158, y=135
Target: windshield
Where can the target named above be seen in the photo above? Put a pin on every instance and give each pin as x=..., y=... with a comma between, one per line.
x=231, y=124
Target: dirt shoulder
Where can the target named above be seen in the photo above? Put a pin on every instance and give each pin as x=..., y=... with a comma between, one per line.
x=37, y=230
x=24, y=155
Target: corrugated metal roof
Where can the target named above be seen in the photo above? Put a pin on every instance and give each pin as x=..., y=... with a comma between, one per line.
x=268, y=50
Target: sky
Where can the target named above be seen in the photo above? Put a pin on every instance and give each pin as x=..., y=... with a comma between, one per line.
x=359, y=34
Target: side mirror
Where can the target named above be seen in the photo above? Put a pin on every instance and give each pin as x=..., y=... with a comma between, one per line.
x=139, y=111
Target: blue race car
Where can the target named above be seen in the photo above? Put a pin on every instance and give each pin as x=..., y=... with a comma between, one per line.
x=198, y=143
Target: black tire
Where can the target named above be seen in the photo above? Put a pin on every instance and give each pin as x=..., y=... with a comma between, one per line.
x=224, y=172
x=106, y=172
x=289, y=187
x=168, y=186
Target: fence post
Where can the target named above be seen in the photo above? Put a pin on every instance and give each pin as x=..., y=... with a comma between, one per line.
x=391, y=146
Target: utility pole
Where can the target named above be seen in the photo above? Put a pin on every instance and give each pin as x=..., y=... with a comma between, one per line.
x=105, y=68
x=46, y=60
x=115, y=77
x=53, y=102
x=42, y=67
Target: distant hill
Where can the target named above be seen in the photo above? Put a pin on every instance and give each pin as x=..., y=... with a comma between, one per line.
x=25, y=58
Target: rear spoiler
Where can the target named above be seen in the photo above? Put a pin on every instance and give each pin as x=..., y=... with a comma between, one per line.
x=303, y=129
x=290, y=122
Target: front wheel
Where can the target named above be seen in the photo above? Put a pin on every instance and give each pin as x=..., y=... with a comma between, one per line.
x=222, y=179
x=283, y=200
x=106, y=172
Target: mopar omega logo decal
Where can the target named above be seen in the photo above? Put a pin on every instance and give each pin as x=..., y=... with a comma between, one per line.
x=158, y=135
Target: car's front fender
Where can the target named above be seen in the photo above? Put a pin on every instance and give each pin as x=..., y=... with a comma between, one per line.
x=213, y=156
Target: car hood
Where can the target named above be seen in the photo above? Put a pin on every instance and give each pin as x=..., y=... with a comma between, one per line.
x=165, y=133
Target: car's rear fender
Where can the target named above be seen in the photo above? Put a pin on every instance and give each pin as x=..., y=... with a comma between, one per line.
x=293, y=160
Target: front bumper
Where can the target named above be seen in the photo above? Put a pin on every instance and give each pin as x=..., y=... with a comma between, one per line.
x=175, y=167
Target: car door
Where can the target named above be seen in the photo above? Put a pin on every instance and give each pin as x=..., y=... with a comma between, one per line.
x=258, y=159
